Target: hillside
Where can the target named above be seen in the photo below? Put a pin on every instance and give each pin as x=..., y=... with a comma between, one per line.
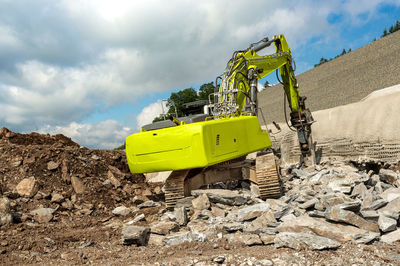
x=346, y=79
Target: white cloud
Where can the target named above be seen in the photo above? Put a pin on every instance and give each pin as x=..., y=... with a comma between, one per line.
x=149, y=112
x=61, y=60
x=107, y=134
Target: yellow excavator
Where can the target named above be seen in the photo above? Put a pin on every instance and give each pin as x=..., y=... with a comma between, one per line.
x=209, y=148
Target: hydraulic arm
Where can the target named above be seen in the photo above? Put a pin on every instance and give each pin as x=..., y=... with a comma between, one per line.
x=237, y=93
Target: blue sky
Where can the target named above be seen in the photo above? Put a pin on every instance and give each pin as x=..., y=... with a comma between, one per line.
x=95, y=70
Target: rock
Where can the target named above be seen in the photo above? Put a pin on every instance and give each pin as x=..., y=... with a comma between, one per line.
x=255, y=190
x=309, y=204
x=220, y=259
x=201, y=202
x=57, y=198
x=43, y=215
x=121, y=211
x=28, y=187
x=353, y=206
x=52, y=165
x=164, y=228
x=64, y=172
x=4, y=205
x=158, y=177
x=287, y=217
x=370, y=215
x=251, y=212
x=366, y=237
x=185, y=202
x=300, y=173
x=315, y=213
x=246, y=239
x=391, y=194
x=232, y=227
x=391, y=237
x=377, y=204
x=299, y=241
x=201, y=215
x=181, y=216
x=5, y=218
x=387, y=176
x=338, y=232
x=261, y=222
x=267, y=239
x=156, y=240
x=139, y=199
x=339, y=215
x=391, y=214
x=181, y=237
x=148, y=204
x=359, y=191
x=392, y=206
x=138, y=218
x=113, y=179
x=77, y=185
x=138, y=235
x=386, y=224
x=218, y=212
x=227, y=197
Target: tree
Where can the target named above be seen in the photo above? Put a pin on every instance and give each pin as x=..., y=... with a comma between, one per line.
x=205, y=90
x=385, y=32
x=179, y=98
x=343, y=52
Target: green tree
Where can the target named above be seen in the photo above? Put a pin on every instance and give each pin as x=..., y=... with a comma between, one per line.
x=205, y=90
x=343, y=52
x=385, y=32
x=179, y=98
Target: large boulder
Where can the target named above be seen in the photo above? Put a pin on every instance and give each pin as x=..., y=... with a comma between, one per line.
x=201, y=202
x=251, y=212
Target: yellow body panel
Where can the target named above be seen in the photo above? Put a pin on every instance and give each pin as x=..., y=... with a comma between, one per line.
x=195, y=145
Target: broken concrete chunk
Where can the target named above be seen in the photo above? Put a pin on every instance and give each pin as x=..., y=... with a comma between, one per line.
x=28, y=187
x=299, y=241
x=201, y=202
x=386, y=224
x=137, y=235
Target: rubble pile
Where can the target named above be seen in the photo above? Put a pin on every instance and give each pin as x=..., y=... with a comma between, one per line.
x=63, y=202
x=44, y=177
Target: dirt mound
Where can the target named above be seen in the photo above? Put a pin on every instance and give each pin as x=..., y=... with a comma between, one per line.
x=34, y=138
x=54, y=161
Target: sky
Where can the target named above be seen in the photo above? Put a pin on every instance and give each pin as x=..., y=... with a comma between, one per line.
x=97, y=70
